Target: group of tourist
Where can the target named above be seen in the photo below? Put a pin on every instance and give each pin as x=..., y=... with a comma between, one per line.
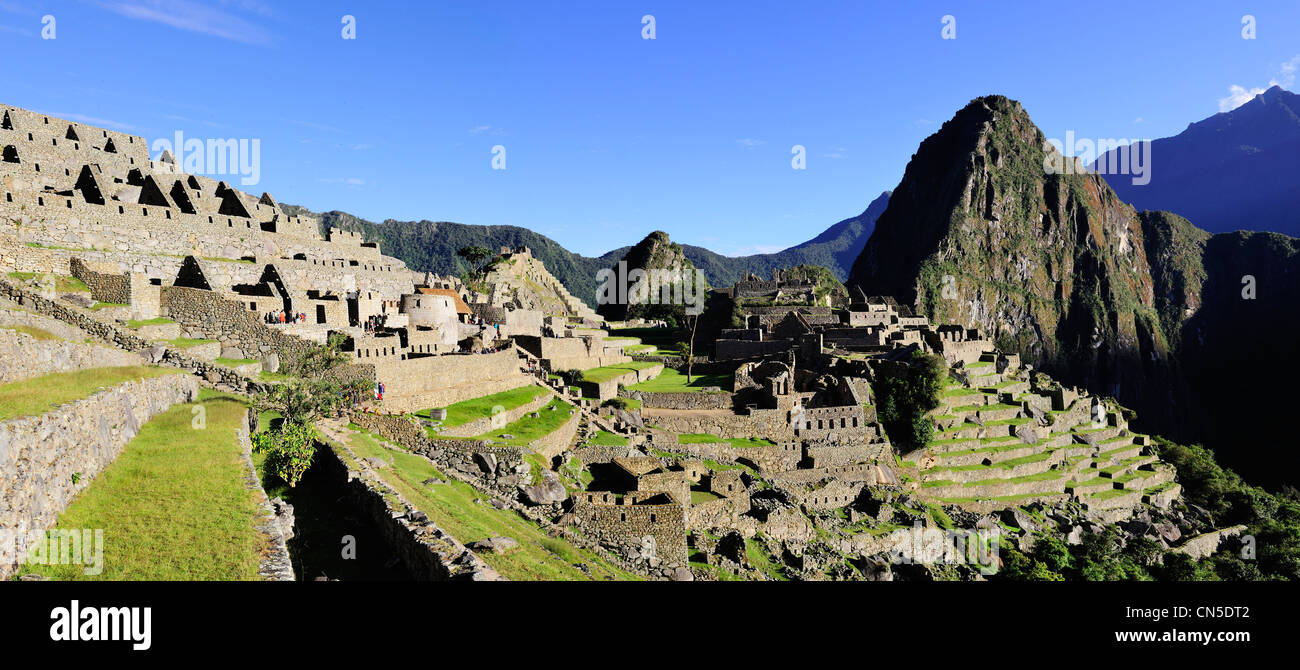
x=376, y=322
x=281, y=316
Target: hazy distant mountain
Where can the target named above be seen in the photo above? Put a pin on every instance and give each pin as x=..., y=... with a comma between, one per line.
x=1236, y=170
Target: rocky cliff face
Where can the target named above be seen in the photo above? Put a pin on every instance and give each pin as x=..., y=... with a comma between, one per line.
x=1056, y=267
x=654, y=253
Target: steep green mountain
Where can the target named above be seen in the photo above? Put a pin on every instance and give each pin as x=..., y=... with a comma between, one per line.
x=1051, y=263
x=431, y=247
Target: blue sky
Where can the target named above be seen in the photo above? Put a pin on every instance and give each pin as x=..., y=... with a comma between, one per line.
x=607, y=135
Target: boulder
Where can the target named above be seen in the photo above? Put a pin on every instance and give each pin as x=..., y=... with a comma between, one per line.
x=1016, y=517
x=234, y=353
x=486, y=462
x=496, y=545
x=156, y=352
x=1027, y=434
x=1075, y=536
x=549, y=491
x=377, y=463
x=683, y=575
x=271, y=362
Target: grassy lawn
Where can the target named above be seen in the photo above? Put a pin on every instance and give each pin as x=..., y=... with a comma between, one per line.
x=137, y=323
x=234, y=362
x=451, y=506
x=105, y=305
x=672, y=381
x=473, y=409
x=698, y=497
x=605, y=438
x=527, y=429
x=186, y=342
x=709, y=438
x=608, y=372
x=173, y=509
x=32, y=397
x=38, y=333
x=62, y=283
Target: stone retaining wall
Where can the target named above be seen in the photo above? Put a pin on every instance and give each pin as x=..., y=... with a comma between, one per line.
x=40, y=455
x=688, y=400
x=427, y=551
x=277, y=564
x=24, y=357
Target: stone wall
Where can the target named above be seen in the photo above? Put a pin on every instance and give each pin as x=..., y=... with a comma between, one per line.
x=770, y=424
x=633, y=527
x=695, y=400
x=206, y=315
x=40, y=455
x=555, y=442
x=114, y=288
x=277, y=564
x=437, y=381
x=428, y=552
x=23, y=356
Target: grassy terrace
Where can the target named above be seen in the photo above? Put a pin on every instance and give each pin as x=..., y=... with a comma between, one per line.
x=451, y=506
x=38, y=333
x=186, y=342
x=234, y=362
x=527, y=429
x=173, y=509
x=672, y=381
x=474, y=409
x=32, y=397
x=608, y=372
x=62, y=283
x=1003, y=465
x=139, y=323
x=605, y=438
x=738, y=442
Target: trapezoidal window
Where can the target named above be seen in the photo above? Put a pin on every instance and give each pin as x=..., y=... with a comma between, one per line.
x=71, y=134
x=5, y=123
x=109, y=147
x=11, y=154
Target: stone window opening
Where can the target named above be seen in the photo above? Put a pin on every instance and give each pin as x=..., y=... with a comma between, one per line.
x=121, y=209
x=40, y=201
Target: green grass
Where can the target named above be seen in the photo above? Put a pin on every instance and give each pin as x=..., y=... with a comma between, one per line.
x=137, y=323
x=608, y=372
x=234, y=362
x=1110, y=493
x=186, y=342
x=38, y=333
x=474, y=409
x=698, y=497
x=527, y=429
x=605, y=438
x=32, y=397
x=451, y=506
x=758, y=556
x=274, y=376
x=62, y=283
x=174, y=505
x=672, y=381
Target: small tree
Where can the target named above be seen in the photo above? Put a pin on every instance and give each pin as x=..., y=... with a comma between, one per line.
x=476, y=256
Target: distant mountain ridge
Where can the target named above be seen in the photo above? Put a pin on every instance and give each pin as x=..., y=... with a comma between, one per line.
x=431, y=246
x=1235, y=170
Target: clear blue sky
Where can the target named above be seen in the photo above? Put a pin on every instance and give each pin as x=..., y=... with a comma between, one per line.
x=609, y=136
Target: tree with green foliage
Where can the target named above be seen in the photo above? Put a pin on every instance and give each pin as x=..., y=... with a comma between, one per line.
x=476, y=256
x=902, y=400
x=314, y=393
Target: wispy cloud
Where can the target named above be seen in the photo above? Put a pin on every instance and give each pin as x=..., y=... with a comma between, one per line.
x=196, y=17
x=348, y=181
x=314, y=126
x=479, y=129
x=17, y=31
x=186, y=119
x=752, y=249
x=837, y=152
x=749, y=142
x=1240, y=95
x=90, y=120
x=1139, y=120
